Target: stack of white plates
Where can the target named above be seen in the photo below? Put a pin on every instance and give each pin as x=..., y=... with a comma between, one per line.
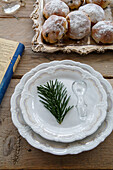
x=86, y=125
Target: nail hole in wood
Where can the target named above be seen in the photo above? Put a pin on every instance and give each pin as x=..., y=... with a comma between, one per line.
x=29, y=150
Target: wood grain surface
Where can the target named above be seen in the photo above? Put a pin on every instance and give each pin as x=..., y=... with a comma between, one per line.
x=15, y=152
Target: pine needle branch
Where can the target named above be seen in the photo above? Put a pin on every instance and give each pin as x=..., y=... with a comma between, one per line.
x=54, y=97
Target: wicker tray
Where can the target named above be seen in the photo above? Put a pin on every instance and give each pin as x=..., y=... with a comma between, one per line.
x=83, y=46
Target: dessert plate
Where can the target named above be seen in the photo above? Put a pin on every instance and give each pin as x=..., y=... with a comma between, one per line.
x=54, y=147
x=72, y=128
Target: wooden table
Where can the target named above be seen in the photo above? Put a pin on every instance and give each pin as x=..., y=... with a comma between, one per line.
x=15, y=152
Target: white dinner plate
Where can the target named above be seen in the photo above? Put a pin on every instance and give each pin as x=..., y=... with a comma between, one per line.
x=72, y=128
x=54, y=147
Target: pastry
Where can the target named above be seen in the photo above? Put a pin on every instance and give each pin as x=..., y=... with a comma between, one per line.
x=55, y=7
x=102, y=3
x=79, y=24
x=95, y=12
x=54, y=28
x=103, y=32
x=73, y=4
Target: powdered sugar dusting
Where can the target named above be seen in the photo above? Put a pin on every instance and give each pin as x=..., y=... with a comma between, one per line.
x=55, y=24
x=46, y=1
x=56, y=7
x=95, y=12
x=79, y=25
x=103, y=27
x=73, y=2
x=103, y=32
x=96, y=1
x=102, y=3
x=108, y=14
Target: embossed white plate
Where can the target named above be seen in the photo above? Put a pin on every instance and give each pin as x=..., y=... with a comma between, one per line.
x=54, y=147
x=72, y=128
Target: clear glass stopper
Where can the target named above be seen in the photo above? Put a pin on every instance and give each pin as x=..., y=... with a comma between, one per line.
x=12, y=7
x=7, y=1
x=79, y=89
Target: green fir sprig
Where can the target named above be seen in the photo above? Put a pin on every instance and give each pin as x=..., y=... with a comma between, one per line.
x=54, y=97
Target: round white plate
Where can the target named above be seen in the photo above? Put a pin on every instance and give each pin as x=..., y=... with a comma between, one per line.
x=54, y=147
x=72, y=128
x=59, y=148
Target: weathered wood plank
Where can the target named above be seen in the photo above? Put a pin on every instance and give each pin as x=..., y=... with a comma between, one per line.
x=18, y=30
x=16, y=153
x=24, y=12
x=100, y=62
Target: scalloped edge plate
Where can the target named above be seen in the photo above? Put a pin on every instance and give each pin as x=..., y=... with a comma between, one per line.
x=51, y=130
x=54, y=147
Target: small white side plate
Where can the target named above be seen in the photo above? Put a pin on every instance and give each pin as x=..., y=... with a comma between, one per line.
x=72, y=128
